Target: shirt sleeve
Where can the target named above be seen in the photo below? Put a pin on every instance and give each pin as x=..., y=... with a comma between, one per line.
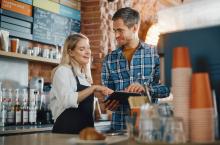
x=156, y=89
x=105, y=75
x=65, y=87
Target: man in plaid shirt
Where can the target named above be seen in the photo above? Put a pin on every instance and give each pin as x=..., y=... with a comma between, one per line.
x=132, y=66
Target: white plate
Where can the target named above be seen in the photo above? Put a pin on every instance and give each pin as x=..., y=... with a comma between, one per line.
x=103, y=119
x=91, y=142
x=108, y=140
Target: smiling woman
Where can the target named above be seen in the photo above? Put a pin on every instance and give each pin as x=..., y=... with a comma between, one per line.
x=72, y=96
x=81, y=53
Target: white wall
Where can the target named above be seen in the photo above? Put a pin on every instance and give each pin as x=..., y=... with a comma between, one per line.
x=197, y=14
x=13, y=72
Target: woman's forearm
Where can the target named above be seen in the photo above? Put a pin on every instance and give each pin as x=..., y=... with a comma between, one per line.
x=85, y=93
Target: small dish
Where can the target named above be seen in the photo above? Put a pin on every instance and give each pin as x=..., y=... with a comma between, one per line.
x=78, y=141
x=103, y=117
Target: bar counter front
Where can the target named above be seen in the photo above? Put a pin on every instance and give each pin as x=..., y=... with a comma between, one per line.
x=68, y=139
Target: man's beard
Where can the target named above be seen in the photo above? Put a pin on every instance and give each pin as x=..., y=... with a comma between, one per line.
x=119, y=45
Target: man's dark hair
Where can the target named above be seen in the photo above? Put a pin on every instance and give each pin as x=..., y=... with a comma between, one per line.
x=128, y=15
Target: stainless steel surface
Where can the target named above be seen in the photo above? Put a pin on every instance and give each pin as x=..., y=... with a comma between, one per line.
x=37, y=83
x=102, y=126
x=8, y=130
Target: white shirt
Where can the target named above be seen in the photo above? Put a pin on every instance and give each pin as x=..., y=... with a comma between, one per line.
x=63, y=93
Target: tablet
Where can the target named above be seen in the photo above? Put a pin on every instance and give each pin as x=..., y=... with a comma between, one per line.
x=122, y=97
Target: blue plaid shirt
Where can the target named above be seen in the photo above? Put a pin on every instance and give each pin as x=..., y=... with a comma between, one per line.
x=144, y=68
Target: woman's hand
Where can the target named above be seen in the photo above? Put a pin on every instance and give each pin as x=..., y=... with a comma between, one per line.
x=110, y=105
x=103, y=90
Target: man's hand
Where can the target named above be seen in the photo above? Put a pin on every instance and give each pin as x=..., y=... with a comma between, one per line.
x=135, y=88
x=111, y=105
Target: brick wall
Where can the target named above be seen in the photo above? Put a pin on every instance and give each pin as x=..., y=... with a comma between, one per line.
x=38, y=68
x=91, y=20
x=90, y=26
x=102, y=41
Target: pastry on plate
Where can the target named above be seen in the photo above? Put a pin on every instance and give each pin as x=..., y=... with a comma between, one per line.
x=90, y=133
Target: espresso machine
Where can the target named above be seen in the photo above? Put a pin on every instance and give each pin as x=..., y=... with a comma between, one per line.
x=37, y=83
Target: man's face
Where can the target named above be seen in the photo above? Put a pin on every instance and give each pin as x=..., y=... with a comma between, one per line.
x=123, y=34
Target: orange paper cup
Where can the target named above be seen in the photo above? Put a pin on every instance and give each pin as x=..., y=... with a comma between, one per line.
x=201, y=95
x=136, y=111
x=181, y=58
x=14, y=45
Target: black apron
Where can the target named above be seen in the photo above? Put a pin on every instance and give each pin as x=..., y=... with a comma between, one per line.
x=73, y=120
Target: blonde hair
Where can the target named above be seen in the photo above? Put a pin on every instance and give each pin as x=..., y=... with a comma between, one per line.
x=70, y=44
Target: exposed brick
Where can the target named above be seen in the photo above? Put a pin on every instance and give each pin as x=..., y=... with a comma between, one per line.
x=94, y=37
x=92, y=26
x=90, y=3
x=96, y=11
x=98, y=55
x=90, y=0
x=40, y=69
x=91, y=21
x=95, y=49
x=90, y=32
x=88, y=8
x=92, y=14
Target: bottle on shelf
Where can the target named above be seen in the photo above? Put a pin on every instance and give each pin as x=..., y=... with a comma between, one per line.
x=10, y=107
x=1, y=97
x=40, y=104
x=47, y=111
x=48, y=118
x=2, y=108
x=33, y=109
x=32, y=115
x=17, y=108
x=57, y=55
x=39, y=114
x=3, y=114
x=24, y=108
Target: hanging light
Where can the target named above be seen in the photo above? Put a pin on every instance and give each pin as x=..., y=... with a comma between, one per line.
x=153, y=35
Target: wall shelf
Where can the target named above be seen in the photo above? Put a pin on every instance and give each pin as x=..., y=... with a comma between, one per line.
x=29, y=58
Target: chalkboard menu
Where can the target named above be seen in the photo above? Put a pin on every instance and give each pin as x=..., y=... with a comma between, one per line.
x=52, y=28
x=75, y=25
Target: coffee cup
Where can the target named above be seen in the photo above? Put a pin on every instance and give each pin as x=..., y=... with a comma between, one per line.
x=14, y=45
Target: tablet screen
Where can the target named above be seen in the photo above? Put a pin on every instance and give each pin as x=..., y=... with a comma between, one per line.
x=122, y=97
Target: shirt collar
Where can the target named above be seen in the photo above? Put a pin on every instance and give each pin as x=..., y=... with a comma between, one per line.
x=140, y=46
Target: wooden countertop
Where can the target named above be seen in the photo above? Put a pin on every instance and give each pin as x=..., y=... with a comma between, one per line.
x=101, y=126
x=50, y=139
x=68, y=139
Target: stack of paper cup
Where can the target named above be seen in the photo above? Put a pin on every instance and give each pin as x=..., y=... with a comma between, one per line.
x=181, y=84
x=201, y=112
x=4, y=37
